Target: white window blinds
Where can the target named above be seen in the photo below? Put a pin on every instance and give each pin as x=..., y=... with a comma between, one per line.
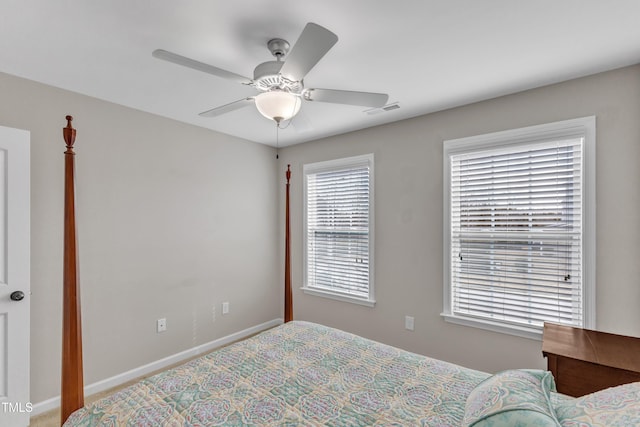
x=338, y=206
x=516, y=233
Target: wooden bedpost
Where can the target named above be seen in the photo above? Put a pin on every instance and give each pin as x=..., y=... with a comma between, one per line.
x=72, y=393
x=288, y=301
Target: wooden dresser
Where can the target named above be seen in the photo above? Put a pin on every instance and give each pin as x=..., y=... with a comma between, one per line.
x=584, y=361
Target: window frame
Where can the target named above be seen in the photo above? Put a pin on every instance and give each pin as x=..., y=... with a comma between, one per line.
x=335, y=165
x=584, y=127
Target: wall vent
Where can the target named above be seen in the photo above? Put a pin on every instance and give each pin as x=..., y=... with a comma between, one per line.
x=388, y=107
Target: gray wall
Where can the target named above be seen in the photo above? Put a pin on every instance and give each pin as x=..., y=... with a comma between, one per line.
x=172, y=221
x=409, y=210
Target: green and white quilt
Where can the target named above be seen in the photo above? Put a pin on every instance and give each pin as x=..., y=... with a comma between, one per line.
x=298, y=374
x=304, y=374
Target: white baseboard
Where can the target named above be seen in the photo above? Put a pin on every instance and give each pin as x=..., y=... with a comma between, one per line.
x=119, y=379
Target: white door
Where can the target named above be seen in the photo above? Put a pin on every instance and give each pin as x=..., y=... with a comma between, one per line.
x=15, y=407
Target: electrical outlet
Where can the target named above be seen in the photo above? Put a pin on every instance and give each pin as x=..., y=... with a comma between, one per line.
x=161, y=325
x=225, y=308
x=408, y=323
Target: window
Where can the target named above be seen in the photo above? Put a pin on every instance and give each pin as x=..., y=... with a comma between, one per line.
x=338, y=198
x=520, y=233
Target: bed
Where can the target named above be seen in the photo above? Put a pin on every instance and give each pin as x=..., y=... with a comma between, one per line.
x=296, y=374
x=305, y=374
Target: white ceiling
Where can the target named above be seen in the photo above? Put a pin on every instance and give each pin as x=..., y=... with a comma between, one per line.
x=428, y=55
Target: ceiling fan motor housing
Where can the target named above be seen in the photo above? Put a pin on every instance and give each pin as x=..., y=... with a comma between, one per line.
x=266, y=77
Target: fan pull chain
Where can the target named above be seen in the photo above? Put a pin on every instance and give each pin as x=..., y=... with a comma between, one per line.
x=277, y=141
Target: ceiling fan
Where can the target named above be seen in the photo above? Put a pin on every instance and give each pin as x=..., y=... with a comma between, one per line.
x=280, y=83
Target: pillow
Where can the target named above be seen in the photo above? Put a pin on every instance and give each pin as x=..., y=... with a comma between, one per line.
x=512, y=398
x=613, y=407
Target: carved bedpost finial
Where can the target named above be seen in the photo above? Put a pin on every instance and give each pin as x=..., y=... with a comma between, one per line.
x=69, y=134
x=288, y=173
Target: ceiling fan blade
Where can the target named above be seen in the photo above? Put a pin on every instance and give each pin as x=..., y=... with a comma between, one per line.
x=365, y=99
x=314, y=42
x=232, y=106
x=200, y=66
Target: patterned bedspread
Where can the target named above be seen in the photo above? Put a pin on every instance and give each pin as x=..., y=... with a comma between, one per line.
x=298, y=374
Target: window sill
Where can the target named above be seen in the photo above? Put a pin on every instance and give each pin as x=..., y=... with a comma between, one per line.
x=533, y=332
x=339, y=296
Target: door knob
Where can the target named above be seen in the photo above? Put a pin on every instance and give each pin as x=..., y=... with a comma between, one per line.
x=17, y=295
